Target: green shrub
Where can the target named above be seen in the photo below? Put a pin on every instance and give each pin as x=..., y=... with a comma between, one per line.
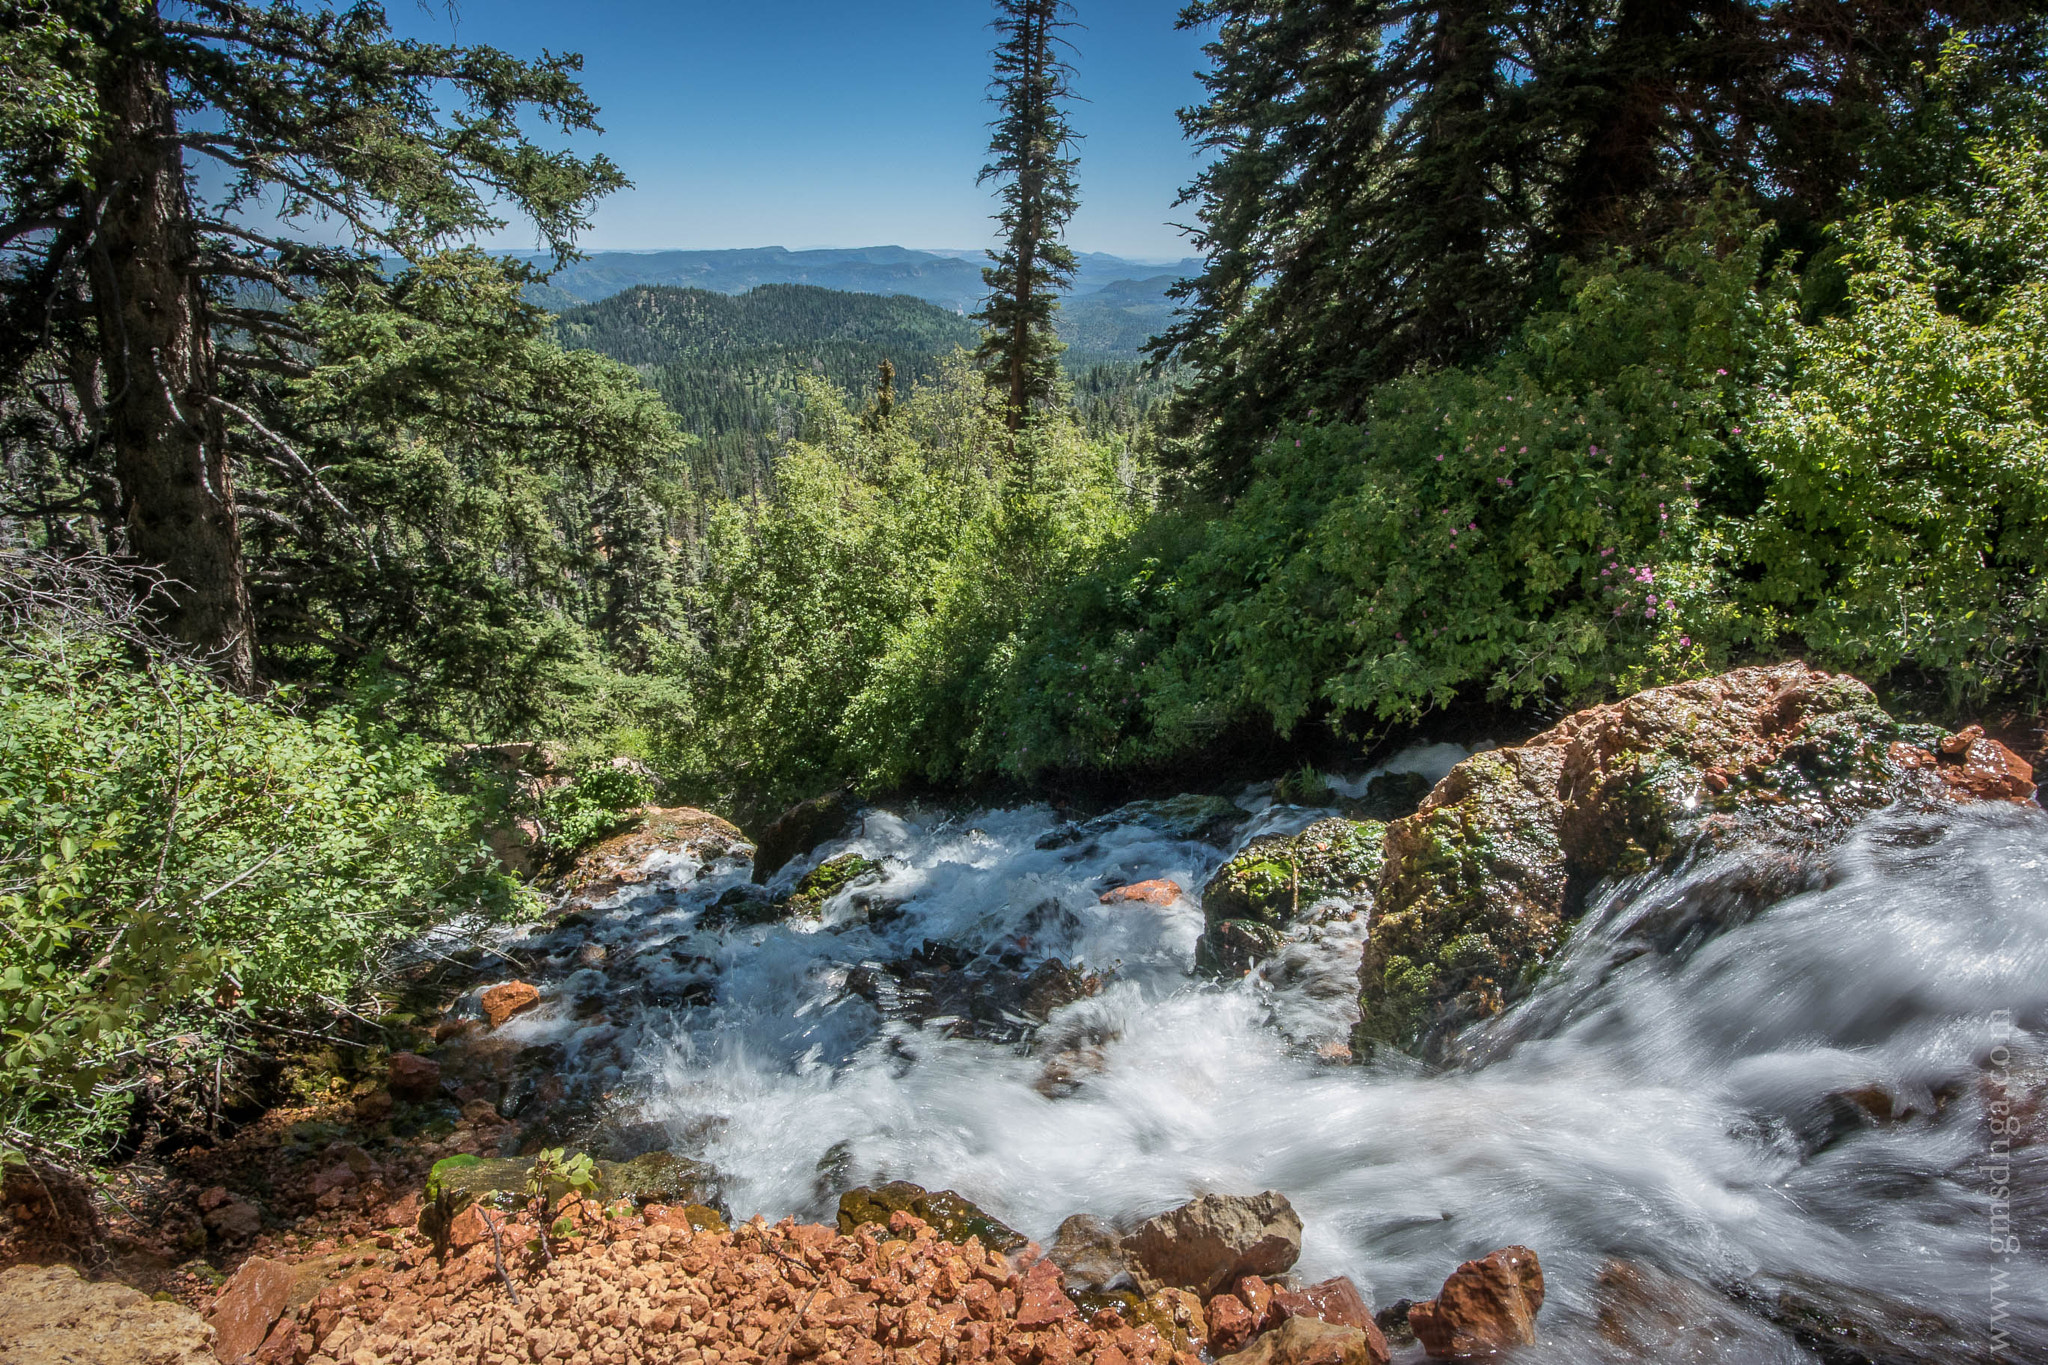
x=175, y=859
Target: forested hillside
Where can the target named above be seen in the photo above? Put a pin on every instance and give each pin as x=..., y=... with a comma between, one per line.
x=727, y=365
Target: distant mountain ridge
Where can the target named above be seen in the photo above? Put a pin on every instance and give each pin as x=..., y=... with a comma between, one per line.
x=947, y=279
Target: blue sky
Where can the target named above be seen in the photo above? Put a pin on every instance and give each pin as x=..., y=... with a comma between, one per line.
x=801, y=123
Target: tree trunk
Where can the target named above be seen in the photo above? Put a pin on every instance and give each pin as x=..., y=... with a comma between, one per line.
x=157, y=358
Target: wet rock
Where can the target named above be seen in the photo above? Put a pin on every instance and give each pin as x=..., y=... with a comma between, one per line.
x=1159, y=891
x=1480, y=883
x=1646, y=1314
x=506, y=999
x=1390, y=796
x=800, y=829
x=1845, y=1325
x=413, y=1078
x=1176, y=1314
x=623, y=860
x=1257, y=1297
x=49, y=1316
x=1197, y=819
x=248, y=1304
x=1985, y=769
x=1306, y=1341
x=660, y=1178
x=741, y=905
x=1091, y=1255
x=970, y=995
x=1334, y=1300
x=1485, y=1307
x=825, y=881
x=1274, y=880
x=1206, y=1243
x=949, y=1215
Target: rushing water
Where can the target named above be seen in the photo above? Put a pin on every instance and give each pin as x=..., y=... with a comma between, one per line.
x=1676, y=1093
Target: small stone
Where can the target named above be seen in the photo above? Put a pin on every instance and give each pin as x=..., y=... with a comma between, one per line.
x=414, y=1078
x=1485, y=1307
x=506, y=999
x=1158, y=891
x=234, y=1219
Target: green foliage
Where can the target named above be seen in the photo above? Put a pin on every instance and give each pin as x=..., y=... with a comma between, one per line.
x=493, y=525
x=555, y=1174
x=598, y=801
x=1907, y=461
x=865, y=621
x=1394, y=186
x=174, y=858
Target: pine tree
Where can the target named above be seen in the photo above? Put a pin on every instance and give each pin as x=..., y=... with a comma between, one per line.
x=1395, y=184
x=1020, y=350
x=138, y=322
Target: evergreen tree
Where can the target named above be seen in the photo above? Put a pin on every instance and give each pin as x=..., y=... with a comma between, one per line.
x=1394, y=185
x=141, y=322
x=1020, y=351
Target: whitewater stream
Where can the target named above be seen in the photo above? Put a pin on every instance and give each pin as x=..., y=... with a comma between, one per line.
x=1795, y=1110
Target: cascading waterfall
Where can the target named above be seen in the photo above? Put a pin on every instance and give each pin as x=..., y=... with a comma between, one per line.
x=1795, y=1108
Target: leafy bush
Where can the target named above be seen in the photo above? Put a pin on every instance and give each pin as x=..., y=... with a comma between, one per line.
x=598, y=801
x=178, y=859
x=1907, y=463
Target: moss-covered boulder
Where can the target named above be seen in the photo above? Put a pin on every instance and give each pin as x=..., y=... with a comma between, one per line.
x=505, y=1182
x=1252, y=899
x=1480, y=883
x=951, y=1216
x=825, y=881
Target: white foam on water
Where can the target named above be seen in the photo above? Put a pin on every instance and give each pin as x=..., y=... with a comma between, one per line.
x=1672, y=1103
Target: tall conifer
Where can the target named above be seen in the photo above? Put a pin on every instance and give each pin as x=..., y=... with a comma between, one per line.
x=1020, y=351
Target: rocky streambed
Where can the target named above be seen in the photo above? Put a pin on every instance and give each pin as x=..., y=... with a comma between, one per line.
x=1727, y=1002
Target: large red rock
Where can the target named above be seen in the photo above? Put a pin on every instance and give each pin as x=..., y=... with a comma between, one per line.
x=1485, y=1307
x=1480, y=884
x=506, y=999
x=1310, y=1341
x=620, y=861
x=248, y=1306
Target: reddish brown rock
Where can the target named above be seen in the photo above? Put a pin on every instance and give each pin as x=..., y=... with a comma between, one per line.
x=1310, y=1341
x=621, y=860
x=1485, y=1307
x=1159, y=891
x=1480, y=883
x=1334, y=1300
x=1231, y=1326
x=1040, y=1299
x=506, y=999
x=248, y=1306
x=1988, y=771
x=1257, y=1297
x=414, y=1078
